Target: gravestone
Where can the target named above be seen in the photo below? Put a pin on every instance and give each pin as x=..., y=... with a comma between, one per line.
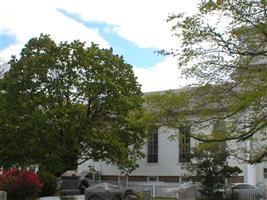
x=3, y=195
x=131, y=197
x=69, y=183
x=146, y=194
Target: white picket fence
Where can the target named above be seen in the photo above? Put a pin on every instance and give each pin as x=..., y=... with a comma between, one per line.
x=170, y=190
x=163, y=189
x=246, y=194
x=157, y=189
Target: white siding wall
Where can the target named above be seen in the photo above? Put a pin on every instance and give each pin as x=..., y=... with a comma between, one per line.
x=168, y=159
x=259, y=173
x=168, y=155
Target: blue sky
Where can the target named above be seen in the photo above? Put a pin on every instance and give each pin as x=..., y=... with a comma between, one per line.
x=134, y=29
x=142, y=57
x=6, y=40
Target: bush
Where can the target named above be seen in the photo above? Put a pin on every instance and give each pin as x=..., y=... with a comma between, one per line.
x=20, y=184
x=50, y=183
x=138, y=195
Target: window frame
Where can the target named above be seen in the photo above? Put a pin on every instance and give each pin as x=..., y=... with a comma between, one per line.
x=265, y=173
x=184, y=144
x=153, y=148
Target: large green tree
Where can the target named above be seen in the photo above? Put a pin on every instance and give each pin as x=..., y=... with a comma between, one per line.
x=223, y=47
x=66, y=103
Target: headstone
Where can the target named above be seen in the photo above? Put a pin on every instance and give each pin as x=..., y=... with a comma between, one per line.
x=50, y=198
x=131, y=197
x=3, y=195
x=69, y=183
x=146, y=194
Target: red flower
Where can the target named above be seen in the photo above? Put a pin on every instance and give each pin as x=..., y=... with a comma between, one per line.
x=20, y=184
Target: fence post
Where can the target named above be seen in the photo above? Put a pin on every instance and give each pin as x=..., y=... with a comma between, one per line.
x=153, y=190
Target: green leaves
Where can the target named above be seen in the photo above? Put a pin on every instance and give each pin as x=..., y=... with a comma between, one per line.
x=168, y=108
x=223, y=47
x=70, y=102
x=209, y=164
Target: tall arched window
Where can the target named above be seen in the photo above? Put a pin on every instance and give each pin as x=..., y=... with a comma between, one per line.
x=152, y=148
x=184, y=144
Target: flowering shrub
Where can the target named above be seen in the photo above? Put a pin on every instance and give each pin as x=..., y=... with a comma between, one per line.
x=20, y=184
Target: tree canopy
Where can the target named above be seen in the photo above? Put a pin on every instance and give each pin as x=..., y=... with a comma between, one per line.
x=223, y=47
x=66, y=103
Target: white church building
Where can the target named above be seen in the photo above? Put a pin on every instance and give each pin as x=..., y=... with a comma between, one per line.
x=165, y=162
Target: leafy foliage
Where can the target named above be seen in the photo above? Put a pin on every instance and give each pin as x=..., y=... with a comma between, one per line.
x=209, y=164
x=49, y=181
x=209, y=160
x=224, y=49
x=167, y=108
x=20, y=184
x=66, y=103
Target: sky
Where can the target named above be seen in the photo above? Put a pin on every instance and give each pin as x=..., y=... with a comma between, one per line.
x=134, y=29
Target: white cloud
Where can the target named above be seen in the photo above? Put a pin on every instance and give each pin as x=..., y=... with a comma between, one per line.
x=142, y=22
x=10, y=50
x=27, y=19
x=163, y=76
